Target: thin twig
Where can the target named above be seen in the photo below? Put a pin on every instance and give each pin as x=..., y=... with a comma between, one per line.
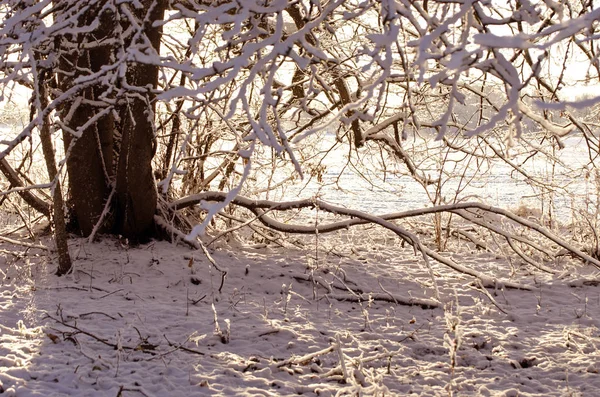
x=233, y=229
x=105, y=212
x=110, y=293
x=214, y=263
x=484, y=291
x=181, y=347
x=386, y=291
x=91, y=313
x=82, y=331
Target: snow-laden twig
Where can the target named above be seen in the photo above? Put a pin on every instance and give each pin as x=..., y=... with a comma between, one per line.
x=199, y=230
x=174, y=232
x=23, y=243
x=341, y=357
x=313, y=279
x=527, y=259
x=307, y=358
x=412, y=301
x=484, y=291
x=214, y=263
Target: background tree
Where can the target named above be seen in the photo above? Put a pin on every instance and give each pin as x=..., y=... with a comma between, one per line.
x=223, y=95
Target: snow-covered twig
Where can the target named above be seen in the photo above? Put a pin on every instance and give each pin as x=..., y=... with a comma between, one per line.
x=214, y=263
x=341, y=357
x=422, y=302
x=303, y=360
x=23, y=243
x=484, y=291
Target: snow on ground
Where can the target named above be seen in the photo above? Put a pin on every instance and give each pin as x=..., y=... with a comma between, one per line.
x=150, y=321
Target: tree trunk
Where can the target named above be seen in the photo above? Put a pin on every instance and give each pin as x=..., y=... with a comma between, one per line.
x=58, y=214
x=92, y=167
x=89, y=162
x=136, y=189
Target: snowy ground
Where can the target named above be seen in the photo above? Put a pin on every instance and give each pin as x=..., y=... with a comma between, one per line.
x=151, y=321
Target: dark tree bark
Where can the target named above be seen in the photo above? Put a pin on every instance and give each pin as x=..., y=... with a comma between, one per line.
x=92, y=167
x=58, y=215
x=89, y=159
x=136, y=190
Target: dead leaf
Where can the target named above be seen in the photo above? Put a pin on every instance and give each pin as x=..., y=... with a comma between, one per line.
x=53, y=338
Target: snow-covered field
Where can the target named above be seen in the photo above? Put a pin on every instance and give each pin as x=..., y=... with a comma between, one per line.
x=155, y=320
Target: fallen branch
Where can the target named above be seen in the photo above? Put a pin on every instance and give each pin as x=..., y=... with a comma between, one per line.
x=325, y=228
x=107, y=294
x=357, y=218
x=315, y=280
x=176, y=347
x=358, y=295
x=93, y=313
x=25, y=191
x=197, y=244
x=422, y=302
x=24, y=244
x=84, y=332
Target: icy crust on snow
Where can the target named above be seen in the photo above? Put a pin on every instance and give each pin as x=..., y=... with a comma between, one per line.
x=140, y=321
